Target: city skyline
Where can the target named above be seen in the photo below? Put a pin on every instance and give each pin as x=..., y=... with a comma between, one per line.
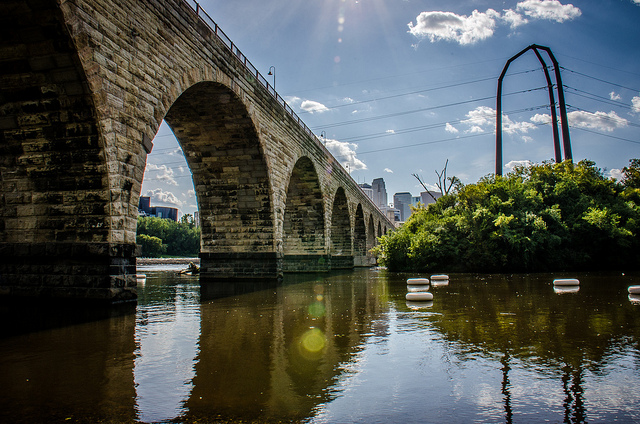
x=400, y=87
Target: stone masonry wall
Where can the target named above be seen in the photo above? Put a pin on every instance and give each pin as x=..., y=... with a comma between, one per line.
x=84, y=87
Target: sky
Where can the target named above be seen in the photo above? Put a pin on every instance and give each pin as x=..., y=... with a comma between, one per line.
x=400, y=87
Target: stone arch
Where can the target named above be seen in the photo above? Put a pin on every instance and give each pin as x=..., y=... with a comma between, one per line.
x=304, y=226
x=371, y=234
x=359, y=237
x=231, y=180
x=379, y=233
x=341, y=253
x=57, y=193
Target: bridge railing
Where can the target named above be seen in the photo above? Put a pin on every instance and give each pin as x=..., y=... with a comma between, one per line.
x=224, y=38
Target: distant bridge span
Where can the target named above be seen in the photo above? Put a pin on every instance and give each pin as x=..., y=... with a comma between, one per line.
x=84, y=86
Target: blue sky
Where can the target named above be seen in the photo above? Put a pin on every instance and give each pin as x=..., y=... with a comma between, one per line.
x=399, y=86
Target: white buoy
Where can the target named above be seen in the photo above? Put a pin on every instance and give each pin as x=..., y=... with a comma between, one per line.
x=634, y=289
x=566, y=289
x=419, y=296
x=440, y=277
x=419, y=305
x=566, y=282
x=417, y=281
x=415, y=289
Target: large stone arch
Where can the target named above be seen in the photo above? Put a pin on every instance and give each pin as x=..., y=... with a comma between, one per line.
x=83, y=90
x=231, y=181
x=371, y=234
x=303, y=226
x=359, y=237
x=58, y=193
x=341, y=253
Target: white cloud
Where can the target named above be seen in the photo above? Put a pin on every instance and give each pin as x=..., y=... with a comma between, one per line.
x=635, y=102
x=388, y=170
x=451, y=129
x=614, y=96
x=549, y=9
x=597, y=120
x=512, y=165
x=164, y=198
x=313, y=107
x=164, y=173
x=451, y=27
x=514, y=19
x=637, y=2
x=191, y=193
x=541, y=118
x=463, y=29
x=483, y=118
x=346, y=154
x=616, y=174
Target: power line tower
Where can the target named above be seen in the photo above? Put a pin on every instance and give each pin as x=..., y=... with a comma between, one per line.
x=566, y=142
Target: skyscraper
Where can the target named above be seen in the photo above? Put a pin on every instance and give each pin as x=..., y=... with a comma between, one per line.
x=402, y=202
x=379, y=193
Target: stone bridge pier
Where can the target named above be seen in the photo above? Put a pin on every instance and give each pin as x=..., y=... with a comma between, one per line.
x=84, y=86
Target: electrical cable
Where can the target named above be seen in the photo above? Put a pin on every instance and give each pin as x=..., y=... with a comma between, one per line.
x=393, y=115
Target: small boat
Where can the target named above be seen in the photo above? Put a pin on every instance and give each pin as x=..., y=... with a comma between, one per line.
x=417, y=281
x=634, y=289
x=141, y=278
x=635, y=299
x=566, y=282
x=440, y=277
x=419, y=296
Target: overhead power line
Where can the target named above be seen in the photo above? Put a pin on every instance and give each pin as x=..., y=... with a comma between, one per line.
x=599, y=79
x=393, y=115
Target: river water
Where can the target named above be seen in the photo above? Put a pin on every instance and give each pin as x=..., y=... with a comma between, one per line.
x=330, y=348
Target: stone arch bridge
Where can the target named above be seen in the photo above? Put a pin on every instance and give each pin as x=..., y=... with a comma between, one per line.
x=84, y=86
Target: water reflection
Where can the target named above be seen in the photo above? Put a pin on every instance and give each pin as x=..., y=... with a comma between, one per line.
x=167, y=331
x=273, y=354
x=334, y=348
x=76, y=368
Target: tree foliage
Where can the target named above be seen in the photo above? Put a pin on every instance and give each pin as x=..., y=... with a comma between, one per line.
x=542, y=217
x=176, y=238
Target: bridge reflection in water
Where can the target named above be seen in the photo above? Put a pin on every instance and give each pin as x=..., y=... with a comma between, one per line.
x=336, y=348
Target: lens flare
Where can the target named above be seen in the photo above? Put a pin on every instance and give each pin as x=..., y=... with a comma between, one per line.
x=313, y=340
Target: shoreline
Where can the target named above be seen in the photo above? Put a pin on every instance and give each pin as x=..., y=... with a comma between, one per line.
x=177, y=261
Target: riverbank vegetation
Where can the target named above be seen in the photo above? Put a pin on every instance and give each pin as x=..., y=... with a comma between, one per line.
x=163, y=237
x=543, y=217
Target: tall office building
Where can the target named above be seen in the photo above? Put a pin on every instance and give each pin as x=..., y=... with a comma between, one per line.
x=367, y=190
x=379, y=193
x=427, y=199
x=402, y=202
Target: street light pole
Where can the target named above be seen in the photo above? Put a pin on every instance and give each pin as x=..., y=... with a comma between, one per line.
x=272, y=71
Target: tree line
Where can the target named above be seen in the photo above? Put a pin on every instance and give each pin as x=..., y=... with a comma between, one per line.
x=164, y=237
x=542, y=217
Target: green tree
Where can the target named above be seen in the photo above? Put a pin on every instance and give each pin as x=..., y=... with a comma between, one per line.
x=537, y=218
x=180, y=238
x=152, y=247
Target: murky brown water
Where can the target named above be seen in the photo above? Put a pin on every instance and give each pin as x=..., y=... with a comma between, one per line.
x=335, y=348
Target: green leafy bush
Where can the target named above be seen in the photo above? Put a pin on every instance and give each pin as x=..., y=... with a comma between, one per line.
x=543, y=217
